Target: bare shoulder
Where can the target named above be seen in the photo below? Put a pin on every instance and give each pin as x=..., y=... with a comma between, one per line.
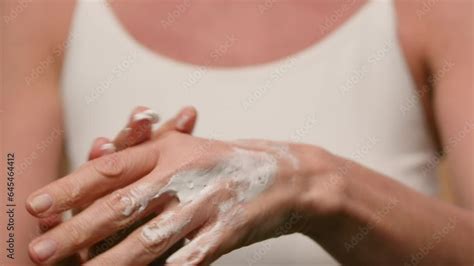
x=435, y=35
x=436, y=30
x=33, y=29
x=450, y=25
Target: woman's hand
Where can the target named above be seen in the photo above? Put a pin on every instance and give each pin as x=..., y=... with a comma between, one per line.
x=231, y=194
x=138, y=129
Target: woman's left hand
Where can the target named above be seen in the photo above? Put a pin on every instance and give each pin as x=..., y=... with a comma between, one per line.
x=231, y=194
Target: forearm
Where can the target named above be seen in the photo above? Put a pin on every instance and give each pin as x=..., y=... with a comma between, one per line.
x=31, y=139
x=33, y=46
x=35, y=145
x=380, y=221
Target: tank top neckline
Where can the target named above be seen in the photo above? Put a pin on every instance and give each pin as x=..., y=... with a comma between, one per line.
x=331, y=39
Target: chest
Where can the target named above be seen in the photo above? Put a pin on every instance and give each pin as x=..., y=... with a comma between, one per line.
x=263, y=31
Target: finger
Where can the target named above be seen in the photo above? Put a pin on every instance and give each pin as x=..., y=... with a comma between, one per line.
x=241, y=225
x=195, y=252
x=138, y=128
x=103, y=218
x=101, y=147
x=156, y=237
x=93, y=180
x=220, y=236
x=183, y=122
x=110, y=241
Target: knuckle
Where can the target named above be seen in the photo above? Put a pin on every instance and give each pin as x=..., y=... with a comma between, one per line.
x=115, y=205
x=76, y=233
x=164, y=138
x=71, y=191
x=110, y=165
x=196, y=257
x=157, y=237
x=154, y=248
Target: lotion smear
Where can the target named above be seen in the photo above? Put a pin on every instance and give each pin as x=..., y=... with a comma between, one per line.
x=251, y=171
x=246, y=173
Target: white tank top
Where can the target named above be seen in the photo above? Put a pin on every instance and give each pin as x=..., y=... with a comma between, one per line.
x=350, y=93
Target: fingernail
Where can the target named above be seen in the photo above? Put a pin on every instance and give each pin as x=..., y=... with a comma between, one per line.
x=149, y=114
x=108, y=148
x=41, y=203
x=45, y=249
x=182, y=121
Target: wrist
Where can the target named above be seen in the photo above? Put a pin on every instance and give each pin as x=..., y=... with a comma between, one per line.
x=323, y=186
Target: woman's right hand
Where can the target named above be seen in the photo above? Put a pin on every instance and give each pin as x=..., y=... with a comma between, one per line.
x=138, y=129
